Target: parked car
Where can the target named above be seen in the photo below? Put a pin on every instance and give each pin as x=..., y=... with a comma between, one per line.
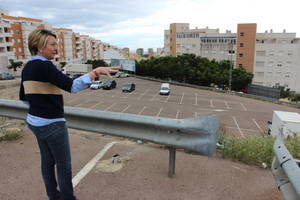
x=96, y=85
x=128, y=87
x=110, y=84
x=6, y=76
x=165, y=89
x=121, y=74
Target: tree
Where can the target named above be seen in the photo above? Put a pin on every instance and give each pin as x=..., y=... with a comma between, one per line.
x=14, y=65
x=96, y=63
x=240, y=78
x=62, y=64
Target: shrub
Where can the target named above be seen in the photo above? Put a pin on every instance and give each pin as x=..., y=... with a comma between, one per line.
x=256, y=149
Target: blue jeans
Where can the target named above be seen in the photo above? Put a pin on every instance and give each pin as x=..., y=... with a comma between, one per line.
x=53, y=141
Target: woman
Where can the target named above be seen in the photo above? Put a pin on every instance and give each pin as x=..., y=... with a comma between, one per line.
x=41, y=86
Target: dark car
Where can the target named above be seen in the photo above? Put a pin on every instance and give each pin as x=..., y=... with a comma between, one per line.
x=128, y=87
x=110, y=84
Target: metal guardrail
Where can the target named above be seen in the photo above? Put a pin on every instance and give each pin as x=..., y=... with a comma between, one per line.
x=197, y=134
x=286, y=171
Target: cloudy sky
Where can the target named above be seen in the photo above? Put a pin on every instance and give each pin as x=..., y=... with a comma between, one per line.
x=140, y=23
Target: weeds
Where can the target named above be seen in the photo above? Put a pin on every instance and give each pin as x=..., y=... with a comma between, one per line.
x=10, y=136
x=255, y=149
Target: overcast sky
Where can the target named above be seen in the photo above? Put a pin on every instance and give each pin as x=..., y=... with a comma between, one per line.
x=141, y=23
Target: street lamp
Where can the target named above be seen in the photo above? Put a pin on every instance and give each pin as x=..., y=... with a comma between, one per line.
x=230, y=64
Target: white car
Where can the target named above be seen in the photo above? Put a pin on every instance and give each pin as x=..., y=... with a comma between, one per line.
x=165, y=89
x=121, y=75
x=96, y=85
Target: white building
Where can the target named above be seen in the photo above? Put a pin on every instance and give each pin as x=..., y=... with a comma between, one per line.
x=277, y=60
x=205, y=42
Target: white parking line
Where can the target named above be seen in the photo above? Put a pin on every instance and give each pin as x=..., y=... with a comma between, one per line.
x=95, y=105
x=142, y=110
x=196, y=99
x=260, y=129
x=154, y=97
x=181, y=98
x=112, y=105
x=245, y=109
x=90, y=165
x=142, y=94
x=125, y=108
x=211, y=103
x=159, y=112
x=167, y=98
x=245, y=129
x=226, y=105
x=234, y=119
x=126, y=95
x=177, y=114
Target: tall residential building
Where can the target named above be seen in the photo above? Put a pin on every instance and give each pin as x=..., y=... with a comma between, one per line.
x=205, y=42
x=140, y=51
x=246, y=34
x=274, y=58
x=150, y=52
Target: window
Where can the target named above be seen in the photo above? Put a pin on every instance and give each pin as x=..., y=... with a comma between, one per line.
x=287, y=75
x=290, y=53
x=260, y=63
x=241, y=44
x=241, y=33
x=240, y=65
x=259, y=74
x=241, y=55
x=260, y=53
x=270, y=63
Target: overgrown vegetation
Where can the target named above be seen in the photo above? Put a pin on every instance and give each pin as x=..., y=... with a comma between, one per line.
x=8, y=135
x=255, y=149
x=189, y=68
x=290, y=95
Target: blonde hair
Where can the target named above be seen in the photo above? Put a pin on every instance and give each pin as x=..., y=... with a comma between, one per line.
x=38, y=39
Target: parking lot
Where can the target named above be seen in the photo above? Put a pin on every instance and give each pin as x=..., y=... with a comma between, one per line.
x=143, y=172
x=239, y=116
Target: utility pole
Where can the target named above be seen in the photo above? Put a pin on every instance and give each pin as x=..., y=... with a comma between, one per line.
x=230, y=63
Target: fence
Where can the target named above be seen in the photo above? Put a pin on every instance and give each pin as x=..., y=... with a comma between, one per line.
x=264, y=91
x=197, y=134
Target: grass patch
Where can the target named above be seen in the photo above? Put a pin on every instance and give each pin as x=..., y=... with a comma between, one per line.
x=255, y=149
x=9, y=136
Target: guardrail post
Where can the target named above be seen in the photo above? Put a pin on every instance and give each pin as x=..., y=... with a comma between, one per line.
x=172, y=158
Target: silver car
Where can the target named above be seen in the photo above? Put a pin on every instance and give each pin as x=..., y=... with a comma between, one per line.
x=96, y=85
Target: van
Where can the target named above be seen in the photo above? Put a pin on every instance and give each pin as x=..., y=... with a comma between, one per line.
x=165, y=89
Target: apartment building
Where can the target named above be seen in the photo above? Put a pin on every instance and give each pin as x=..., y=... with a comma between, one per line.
x=205, y=42
x=6, y=43
x=273, y=58
x=277, y=60
x=72, y=47
x=67, y=47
